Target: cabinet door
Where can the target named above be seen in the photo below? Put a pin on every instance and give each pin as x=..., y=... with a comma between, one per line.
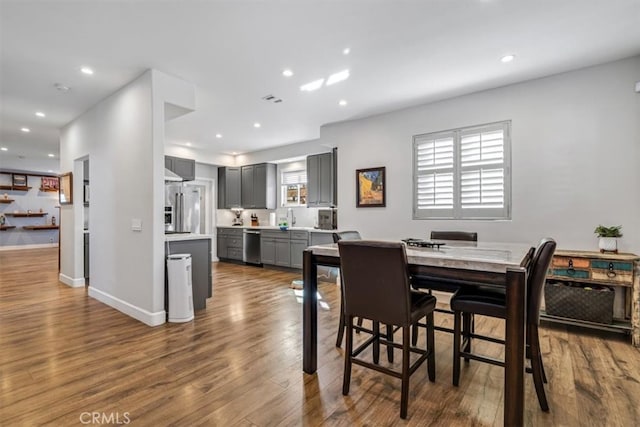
x=283, y=251
x=267, y=251
x=260, y=186
x=313, y=184
x=186, y=168
x=325, y=179
x=222, y=246
x=233, y=185
x=297, y=247
x=222, y=188
x=248, y=191
x=168, y=162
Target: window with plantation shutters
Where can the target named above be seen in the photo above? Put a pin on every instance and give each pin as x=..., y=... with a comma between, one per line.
x=463, y=173
x=294, y=188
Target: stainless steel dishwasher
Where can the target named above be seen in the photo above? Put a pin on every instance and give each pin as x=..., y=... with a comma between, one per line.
x=251, y=246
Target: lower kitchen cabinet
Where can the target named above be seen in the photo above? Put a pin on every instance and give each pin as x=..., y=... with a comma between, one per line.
x=229, y=243
x=200, y=250
x=267, y=250
x=297, y=248
x=283, y=253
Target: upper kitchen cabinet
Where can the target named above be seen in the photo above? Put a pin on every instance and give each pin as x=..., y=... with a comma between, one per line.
x=259, y=186
x=229, y=185
x=321, y=180
x=185, y=168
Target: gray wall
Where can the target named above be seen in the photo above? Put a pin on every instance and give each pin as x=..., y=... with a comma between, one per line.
x=575, y=158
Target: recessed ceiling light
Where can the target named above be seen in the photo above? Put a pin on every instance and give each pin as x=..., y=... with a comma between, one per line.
x=338, y=77
x=86, y=70
x=311, y=86
x=508, y=58
x=4, y=149
x=51, y=155
x=346, y=51
x=218, y=135
x=188, y=144
x=342, y=102
x=287, y=73
x=25, y=130
x=40, y=114
x=256, y=125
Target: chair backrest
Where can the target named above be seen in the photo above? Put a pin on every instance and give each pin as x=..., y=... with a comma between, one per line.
x=537, y=275
x=454, y=235
x=376, y=280
x=346, y=235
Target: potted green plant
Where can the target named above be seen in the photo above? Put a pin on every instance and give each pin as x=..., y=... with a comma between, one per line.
x=608, y=237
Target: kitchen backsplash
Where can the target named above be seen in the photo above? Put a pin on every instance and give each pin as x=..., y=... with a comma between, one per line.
x=305, y=217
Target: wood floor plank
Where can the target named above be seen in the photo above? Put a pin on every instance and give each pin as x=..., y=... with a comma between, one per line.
x=240, y=362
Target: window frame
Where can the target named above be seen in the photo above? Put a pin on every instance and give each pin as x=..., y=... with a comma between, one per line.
x=457, y=212
x=283, y=187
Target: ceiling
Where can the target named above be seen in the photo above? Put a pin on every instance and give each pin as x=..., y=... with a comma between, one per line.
x=403, y=53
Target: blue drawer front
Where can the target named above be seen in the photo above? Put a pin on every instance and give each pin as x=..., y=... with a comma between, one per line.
x=623, y=266
x=578, y=274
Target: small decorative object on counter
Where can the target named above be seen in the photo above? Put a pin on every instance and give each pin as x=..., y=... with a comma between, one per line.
x=254, y=220
x=28, y=211
x=41, y=210
x=53, y=220
x=608, y=238
x=6, y=196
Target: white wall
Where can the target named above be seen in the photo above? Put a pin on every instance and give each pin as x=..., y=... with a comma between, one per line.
x=575, y=158
x=123, y=138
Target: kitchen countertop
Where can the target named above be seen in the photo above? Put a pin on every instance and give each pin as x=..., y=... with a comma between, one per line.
x=275, y=227
x=186, y=236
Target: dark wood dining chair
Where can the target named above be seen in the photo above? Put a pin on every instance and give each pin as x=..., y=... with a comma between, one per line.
x=344, y=235
x=377, y=287
x=419, y=282
x=493, y=304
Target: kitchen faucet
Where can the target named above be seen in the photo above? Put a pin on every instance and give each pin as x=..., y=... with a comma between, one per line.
x=293, y=218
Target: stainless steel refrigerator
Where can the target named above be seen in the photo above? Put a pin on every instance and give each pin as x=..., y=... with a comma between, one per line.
x=185, y=203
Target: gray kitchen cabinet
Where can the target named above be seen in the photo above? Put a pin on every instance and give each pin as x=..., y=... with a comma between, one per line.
x=185, y=168
x=320, y=238
x=259, y=186
x=230, y=243
x=200, y=250
x=229, y=187
x=297, y=248
x=267, y=251
x=283, y=253
x=321, y=180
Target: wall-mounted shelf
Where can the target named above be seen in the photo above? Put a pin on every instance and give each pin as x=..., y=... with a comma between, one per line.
x=53, y=190
x=15, y=187
x=6, y=227
x=6, y=201
x=25, y=214
x=41, y=227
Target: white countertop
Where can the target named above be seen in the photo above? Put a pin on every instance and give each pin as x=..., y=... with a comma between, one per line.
x=190, y=236
x=275, y=227
x=483, y=256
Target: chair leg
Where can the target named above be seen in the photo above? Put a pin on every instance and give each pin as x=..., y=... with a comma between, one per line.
x=389, y=346
x=341, y=325
x=346, y=379
x=466, y=332
x=404, y=397
x=537, y=368
x=456, y=347
x=376, y=342
x=359, y=324
x=431, y=360
x=414, y=335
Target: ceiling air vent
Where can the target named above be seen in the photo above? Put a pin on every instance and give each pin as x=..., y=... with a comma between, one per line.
x=271, y=98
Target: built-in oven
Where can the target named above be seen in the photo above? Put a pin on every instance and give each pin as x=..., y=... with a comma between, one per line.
x=168, y=218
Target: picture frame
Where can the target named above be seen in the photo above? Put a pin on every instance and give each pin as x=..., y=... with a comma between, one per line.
x=19, y=180
x=65, y=192
x=371, y=187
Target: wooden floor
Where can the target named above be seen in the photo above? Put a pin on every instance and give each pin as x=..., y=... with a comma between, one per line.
x=63, y=354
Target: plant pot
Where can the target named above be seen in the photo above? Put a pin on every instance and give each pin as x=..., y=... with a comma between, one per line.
x=608, y=244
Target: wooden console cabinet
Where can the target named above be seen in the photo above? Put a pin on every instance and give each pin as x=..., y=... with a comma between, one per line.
x=615, y=270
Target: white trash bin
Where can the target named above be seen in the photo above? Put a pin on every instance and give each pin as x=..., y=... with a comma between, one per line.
x=180, y=288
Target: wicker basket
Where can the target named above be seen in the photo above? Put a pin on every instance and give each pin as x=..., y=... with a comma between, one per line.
x=579, y=301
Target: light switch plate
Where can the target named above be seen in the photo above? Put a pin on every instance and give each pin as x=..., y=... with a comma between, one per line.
x=136, y=224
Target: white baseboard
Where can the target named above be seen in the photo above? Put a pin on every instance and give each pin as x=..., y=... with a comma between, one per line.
x=146, y=317
x=70, y=281
x=18, y=247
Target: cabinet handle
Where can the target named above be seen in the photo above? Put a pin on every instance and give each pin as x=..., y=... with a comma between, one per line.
x=611, y=273
x=571, y=271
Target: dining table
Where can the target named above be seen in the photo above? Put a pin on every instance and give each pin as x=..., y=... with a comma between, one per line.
x=496, y=264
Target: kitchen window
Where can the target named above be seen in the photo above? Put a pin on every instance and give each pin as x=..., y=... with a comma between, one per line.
x=463, y=173
x=294, y=188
